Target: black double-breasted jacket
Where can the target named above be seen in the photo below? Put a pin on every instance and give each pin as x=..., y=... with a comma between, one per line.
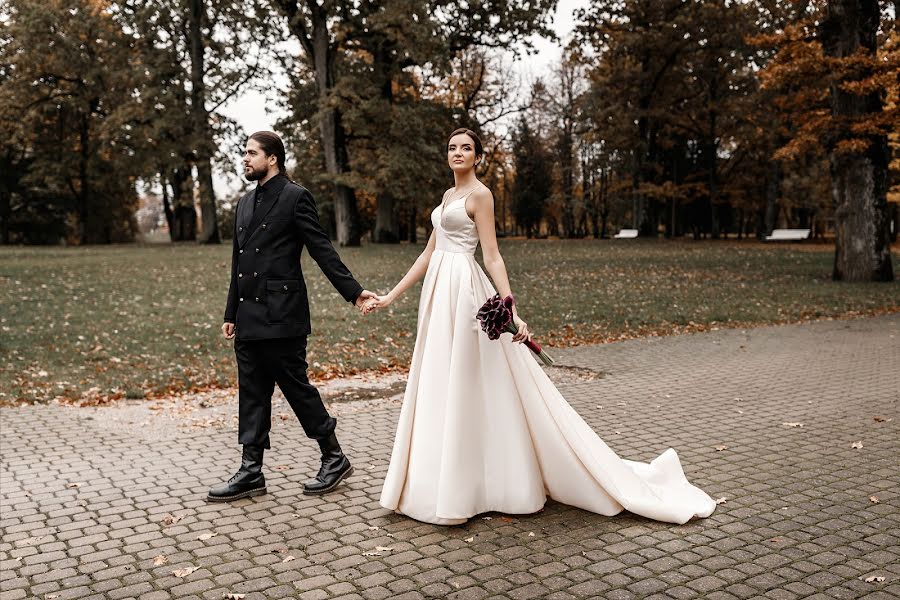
x=267, y=297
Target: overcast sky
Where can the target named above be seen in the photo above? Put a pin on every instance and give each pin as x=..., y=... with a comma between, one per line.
x=250, y=110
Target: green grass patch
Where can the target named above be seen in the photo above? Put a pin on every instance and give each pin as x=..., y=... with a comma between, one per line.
x=141, y=321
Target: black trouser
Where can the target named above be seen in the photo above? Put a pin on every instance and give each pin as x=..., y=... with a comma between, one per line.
x=262, y=364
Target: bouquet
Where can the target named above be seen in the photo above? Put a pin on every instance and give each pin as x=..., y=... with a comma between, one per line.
x=496, y=317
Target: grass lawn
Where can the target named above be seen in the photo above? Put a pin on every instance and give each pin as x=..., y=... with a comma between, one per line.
x=143, y=320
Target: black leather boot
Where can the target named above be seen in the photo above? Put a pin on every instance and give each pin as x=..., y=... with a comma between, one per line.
x=247, y=482
x=335, y=468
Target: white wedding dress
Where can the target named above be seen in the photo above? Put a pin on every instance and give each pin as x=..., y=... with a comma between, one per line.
x=482, y=428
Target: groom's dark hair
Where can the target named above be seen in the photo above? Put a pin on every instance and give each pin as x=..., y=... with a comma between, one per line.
x=271, y=144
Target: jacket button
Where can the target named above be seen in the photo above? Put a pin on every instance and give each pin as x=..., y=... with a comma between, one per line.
x=285, y=288
x=255, y=273
x=264, y=225
x=240, y=228
x=257, y=250
x=241, y=251
x=241, y=300
x=256, y=299
x=240, y=274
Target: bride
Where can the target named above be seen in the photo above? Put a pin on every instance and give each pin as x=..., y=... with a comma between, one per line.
x=482, y=428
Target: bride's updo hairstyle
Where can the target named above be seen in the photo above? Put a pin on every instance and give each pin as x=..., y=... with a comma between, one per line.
x=479, y=149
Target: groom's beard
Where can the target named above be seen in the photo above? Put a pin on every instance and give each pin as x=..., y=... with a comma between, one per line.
x=254, y=174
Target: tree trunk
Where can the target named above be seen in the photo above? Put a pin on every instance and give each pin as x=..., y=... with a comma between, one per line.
x=184, y=216
x=200, y=124
x=337, y=163
x=167, y=206
x=772, y=209
x=5, y=213
x=859, y=181
x=387, y=225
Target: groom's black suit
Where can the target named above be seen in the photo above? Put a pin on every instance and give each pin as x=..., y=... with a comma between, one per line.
x=268, y=304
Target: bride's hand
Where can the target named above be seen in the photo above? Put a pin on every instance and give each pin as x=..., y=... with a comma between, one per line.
x=522, y=326
x=378, y=302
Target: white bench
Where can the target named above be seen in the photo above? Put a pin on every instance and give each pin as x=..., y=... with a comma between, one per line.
x=626, y=234
x=788, y=235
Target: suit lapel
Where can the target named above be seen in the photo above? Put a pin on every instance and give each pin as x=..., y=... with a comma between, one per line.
x=244, y=216
x=270, y=197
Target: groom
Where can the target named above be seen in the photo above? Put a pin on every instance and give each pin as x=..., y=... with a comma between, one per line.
x=267, y=315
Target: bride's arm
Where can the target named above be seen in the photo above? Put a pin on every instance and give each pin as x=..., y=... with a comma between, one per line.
x=415, y=273
x=483, y=209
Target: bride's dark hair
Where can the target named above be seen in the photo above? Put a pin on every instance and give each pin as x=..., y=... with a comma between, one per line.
x=479, y=149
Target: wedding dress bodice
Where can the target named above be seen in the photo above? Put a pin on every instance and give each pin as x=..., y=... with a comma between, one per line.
x=455, y=231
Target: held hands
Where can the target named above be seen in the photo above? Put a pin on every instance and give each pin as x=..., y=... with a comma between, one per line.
x=363, y=299
x=377, y=302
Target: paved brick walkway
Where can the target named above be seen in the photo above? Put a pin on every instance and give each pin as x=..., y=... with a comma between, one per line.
x=91, y=498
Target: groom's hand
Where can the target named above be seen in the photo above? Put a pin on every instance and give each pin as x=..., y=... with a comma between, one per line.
x=361, y=300
x=228, y=330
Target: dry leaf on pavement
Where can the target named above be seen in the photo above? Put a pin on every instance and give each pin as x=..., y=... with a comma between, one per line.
x=170, y=520
x=206, y=536
x=874, y=578
x=233, y=596
x=160, y=560
x=289, y=558
x=184, y=572
x=856, y=445
x=722, y=500
x=720, y=448
x=874, y=499
x=793, y=424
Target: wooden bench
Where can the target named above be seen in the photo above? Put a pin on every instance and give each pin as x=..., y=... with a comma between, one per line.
x=626, y=234
x=788, y=235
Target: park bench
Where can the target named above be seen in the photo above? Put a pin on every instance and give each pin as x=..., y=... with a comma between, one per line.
x=788, y=235
x=626, y=234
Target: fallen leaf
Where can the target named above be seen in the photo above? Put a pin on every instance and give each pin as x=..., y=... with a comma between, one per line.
x=206, y=536
x=289, y=558
x=73, y=485
x=793, y=424
x=281, y=468
x=51, y=596
x=530, y=534
x=233, y=596
x=371, y=554
x=170, y=520
x=508, y=519
x=880, y=419
x=374, y=528
x=874, y=578
x=874, y=499
x=720, y=448
x=722, y=500
x=469, y=540
x=184, y=572
x=775, y=540
x=856, y=445
x=160, y=560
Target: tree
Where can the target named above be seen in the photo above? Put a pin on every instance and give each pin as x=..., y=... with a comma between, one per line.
x=70, y=137
x=532, y=187
x=206, y=44
x=361, y=54
x=839, y=76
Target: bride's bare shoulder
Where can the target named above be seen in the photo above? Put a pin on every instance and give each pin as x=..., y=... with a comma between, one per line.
x=482, y=194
